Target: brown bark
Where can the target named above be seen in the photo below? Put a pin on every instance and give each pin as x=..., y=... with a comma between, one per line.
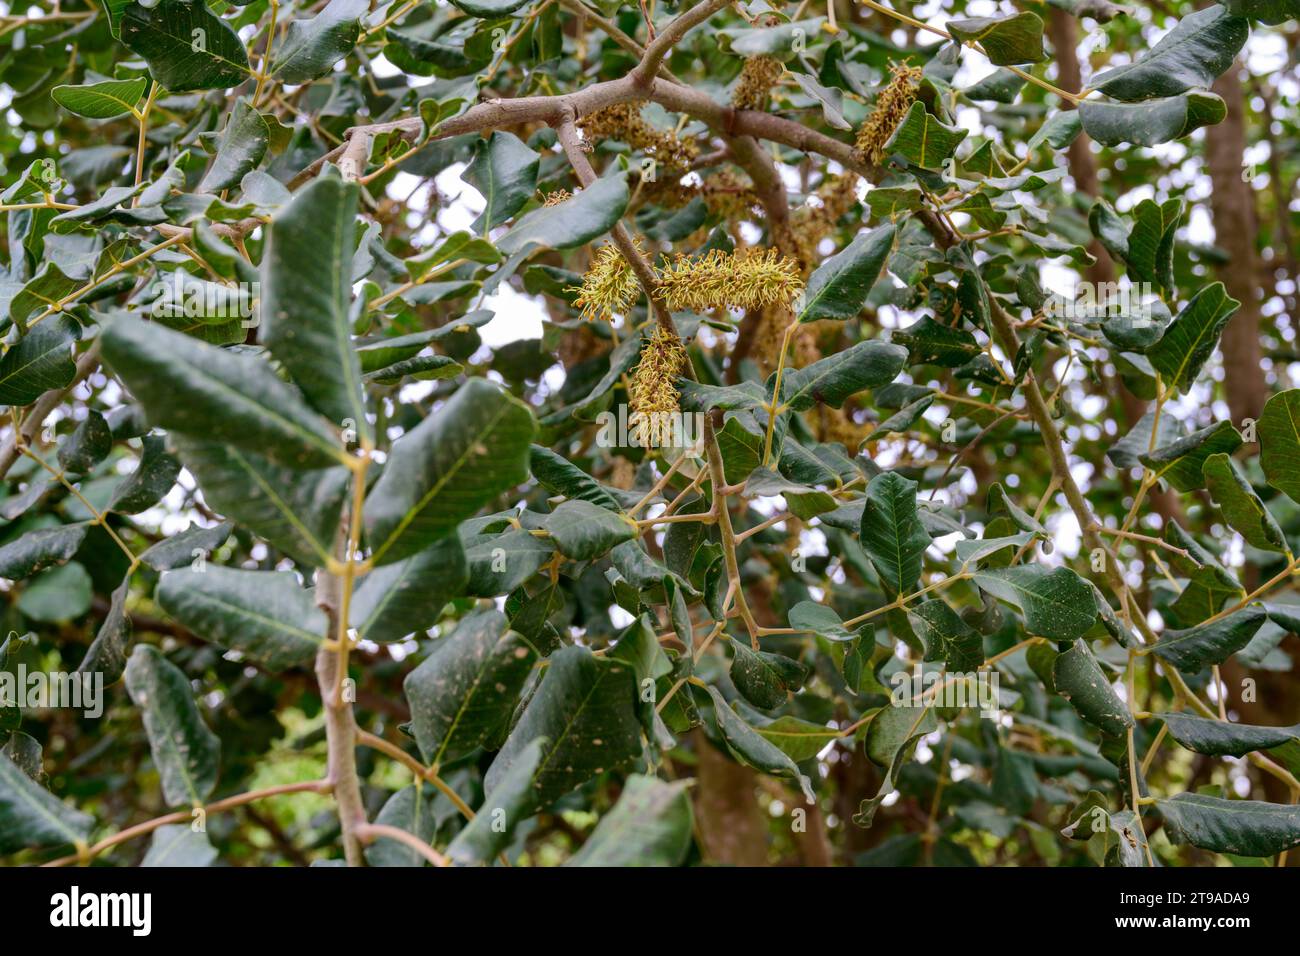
x=732, y=826
x=1232, y=204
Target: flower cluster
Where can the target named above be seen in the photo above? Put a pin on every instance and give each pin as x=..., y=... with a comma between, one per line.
x=653, y=393
x=892, y=105
x=623, y=121
x=760, y=74
x=609, y=288
x=749, y=279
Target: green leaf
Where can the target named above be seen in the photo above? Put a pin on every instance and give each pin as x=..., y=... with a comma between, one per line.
x=1194, y=648
x=177, y=844
x=1182, y=463
x=30, y=816
x=1220, y=738
x=1078, y=678
x=504, y=170
x=1241, y=507
x=1239, y=827
x=924, y=140
x=36, y=550
x=1151, y=122
x=153, y=477
x=574, y=222
x=508, y=803
x=1056, y=602
x=185, y=752
x=446, y=468
x=800, y=739
x=307, y=291
x=216, y=395
x=311, y=47
x=296, y=511
x=560, y=476
x=465, y=691
x=584, y=531
x=88, y=445
x=839, y=287
x=490, y=9
x=586, y=709
x=891, y=737
x=186, y=46
x=240, y=148
x=102, y=100
x=820, y=620
x=1190, y=56
x=892, y=534
x=766, y=680
x=946, y=636
x=831, y=380
x=42, y=360
x=107, y=653
x=265, y=615
x=1279, y=442
x=411, y=810
x=932, y=343
x=1271, y=12
x=407, y=596
x=1190, y=339
x=180, y=549
x=649, y=826
x=751, y=749
x=1006, y=40
x=58, y=594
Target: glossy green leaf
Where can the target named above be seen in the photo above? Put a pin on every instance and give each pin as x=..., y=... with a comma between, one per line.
x=240, y=147
x=1078, y=678
x=1055, y=602
x=312, y=46
x=924, y=140
x=946, y=636
x=1279, y=442
x=649, y=826
x=1151, y=122
x=588, y=215
x=186, y=753
x=753, y=750
x=839, y=287
x=42, y=360
x=510, y=800
x=1189, y=341
x=831, y=380
x=465, y=691
x=1239, y=827
x=186, y=46
x=892, y=534
x=586, y=709
x=307, y=292
x=407, y=596
x=1212, y=643
x=102, y=100
x=1190, y=56
x=1240, y=505
x=584, y=531
x=1006, y=40
x=1220, y=738
x=265, y=615
x=30, y=816
x=504, y=170
x=216, y=395
x=446, y=468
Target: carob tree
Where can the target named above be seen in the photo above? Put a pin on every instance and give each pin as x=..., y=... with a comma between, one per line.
x=819, y=524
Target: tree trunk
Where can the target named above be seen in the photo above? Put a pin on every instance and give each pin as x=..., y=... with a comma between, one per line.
x=732, y=826
x=1232, y=204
